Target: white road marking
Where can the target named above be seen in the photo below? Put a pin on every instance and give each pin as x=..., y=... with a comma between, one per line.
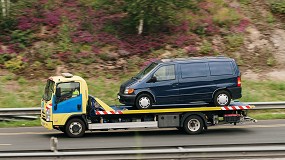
x=5, y=144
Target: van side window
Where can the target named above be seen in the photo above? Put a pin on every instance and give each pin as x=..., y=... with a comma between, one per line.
x=190, y=70
x=165, y=73
x=221, y=68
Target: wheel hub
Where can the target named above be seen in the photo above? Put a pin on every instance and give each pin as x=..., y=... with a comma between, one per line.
x=75, y=128
x=194, y=125
x=144, y=102
x=222, y=99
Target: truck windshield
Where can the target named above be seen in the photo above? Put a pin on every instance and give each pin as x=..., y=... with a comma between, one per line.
x=146, y=70
x=48, y=90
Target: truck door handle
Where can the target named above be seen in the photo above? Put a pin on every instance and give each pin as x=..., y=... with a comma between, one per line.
x=79, y=107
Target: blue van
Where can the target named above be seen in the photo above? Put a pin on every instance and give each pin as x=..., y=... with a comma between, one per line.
x=212, y=80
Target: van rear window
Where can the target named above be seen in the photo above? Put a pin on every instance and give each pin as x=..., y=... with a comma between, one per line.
x=221, y=68
x=191, y=70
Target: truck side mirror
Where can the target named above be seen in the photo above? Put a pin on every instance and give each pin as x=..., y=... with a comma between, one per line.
x=58, y=92
x=153, y=79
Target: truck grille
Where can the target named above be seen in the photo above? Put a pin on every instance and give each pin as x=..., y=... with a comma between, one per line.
x=43, y=115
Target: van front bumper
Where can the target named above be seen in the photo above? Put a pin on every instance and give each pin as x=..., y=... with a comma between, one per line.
x=47, y=125
x=127, y=99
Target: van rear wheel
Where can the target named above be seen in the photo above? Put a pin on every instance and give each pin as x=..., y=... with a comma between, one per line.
x=222, y=98
x=144, y=101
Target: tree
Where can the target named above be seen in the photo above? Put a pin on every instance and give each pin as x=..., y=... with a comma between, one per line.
x=5, y=5
x=148, y=15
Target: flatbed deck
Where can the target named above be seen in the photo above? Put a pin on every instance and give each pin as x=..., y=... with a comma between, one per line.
x=107, y=110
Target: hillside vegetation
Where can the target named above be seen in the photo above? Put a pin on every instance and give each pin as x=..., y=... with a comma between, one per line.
x=106, y=41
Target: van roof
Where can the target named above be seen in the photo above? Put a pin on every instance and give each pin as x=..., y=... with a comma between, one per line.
x=194, y=58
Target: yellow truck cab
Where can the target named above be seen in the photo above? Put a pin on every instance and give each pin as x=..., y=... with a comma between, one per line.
x=64, y=97
x=66, y=106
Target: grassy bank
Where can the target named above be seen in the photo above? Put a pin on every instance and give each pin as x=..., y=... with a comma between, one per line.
x=21, y=123
x=18, y=92
x=257, y=91
x=267, y=114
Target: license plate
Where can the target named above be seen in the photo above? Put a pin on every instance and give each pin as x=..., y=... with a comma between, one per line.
x=119, y=97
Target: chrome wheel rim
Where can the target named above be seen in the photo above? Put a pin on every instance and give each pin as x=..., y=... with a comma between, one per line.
x=222, y=99
x=194, y=125
x=144, y=102
x=75, y=128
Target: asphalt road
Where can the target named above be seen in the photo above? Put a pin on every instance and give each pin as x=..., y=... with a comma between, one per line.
x=38, y=138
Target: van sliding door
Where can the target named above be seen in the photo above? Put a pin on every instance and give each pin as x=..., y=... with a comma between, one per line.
x=194, y=82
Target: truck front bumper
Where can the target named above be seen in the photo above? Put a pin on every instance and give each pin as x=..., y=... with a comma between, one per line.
x=47, y=125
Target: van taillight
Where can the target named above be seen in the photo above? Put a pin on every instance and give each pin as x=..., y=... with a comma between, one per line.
x=238, y=81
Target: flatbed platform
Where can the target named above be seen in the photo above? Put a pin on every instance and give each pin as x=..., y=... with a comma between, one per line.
x=107, y=110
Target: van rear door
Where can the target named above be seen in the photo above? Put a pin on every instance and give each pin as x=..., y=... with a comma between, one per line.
x=223, y=74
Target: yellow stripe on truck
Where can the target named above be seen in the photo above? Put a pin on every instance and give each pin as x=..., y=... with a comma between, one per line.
x=104, y=105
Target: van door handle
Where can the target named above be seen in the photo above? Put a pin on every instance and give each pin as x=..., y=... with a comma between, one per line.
x=175, y=84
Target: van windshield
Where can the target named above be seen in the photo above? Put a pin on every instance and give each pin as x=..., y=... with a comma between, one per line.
x=146, y=70
x=48, y=90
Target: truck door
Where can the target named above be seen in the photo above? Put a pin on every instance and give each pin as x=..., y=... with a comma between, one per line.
x=165, y=88
x=68, y=98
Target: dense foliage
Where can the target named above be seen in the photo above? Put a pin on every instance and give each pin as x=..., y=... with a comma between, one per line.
x=278, y=6
x=52, y=32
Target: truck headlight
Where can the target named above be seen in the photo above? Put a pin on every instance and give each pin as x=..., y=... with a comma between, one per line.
x=48, y=112
x=129, y=91
x=48, y=118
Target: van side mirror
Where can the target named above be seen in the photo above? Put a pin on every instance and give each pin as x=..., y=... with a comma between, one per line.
x=153, y=79
x=58, y=92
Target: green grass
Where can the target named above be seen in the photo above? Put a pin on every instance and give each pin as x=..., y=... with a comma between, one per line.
x=20, y=123
x=27, y=93
x=254, y=91
x=20, y=93
x=267, y=114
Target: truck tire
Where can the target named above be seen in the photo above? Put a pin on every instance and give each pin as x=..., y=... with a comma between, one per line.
x=193, y=124
x=144, y=101
x=222, y=98
x=75, y=128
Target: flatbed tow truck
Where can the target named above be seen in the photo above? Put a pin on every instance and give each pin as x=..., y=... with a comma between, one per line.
x=74, y=114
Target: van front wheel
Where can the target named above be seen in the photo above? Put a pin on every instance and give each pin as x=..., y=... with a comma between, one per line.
x=222, y=98
x=144, y=101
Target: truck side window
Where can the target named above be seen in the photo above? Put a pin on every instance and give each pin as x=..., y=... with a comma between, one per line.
x=165, y=73
x=68, y=90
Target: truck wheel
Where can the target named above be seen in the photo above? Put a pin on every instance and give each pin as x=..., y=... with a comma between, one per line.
x=222, y=98
x=75, y=128
x=193, y=125
x=144, y=101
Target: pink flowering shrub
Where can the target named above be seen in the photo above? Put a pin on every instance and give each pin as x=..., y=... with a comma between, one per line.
x=241, y=26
